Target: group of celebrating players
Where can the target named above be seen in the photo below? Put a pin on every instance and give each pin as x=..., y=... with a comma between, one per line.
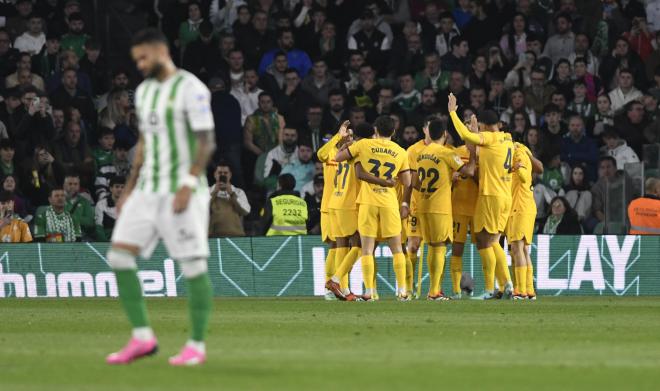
x=434, y=192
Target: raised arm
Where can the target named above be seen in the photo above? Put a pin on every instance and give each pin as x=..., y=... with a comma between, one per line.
x=464, y=132
x=324, y=152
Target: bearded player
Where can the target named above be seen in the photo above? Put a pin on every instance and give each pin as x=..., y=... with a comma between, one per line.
x=166, y=196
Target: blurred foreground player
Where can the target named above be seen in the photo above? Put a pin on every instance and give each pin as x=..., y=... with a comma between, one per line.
x=166, y=196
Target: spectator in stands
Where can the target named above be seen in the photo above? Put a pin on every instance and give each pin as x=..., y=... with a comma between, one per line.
x=248, y=93
x=47, y=59
x=519, y=125
x=457, y=59
x=370, y=41
x=258, y=39
x=562, y=221
x=312, y=128
x=272, y=80
x=386, y=104
x=426, y=108
x=285, y=212
x=93, y=64
x=622, y=58
x=408, y=137
x=520, y=74
x=552, y=131
x=294, y=100
x=592, y=83
x=514, y=42
x=105, y=213
x=639, y=37
x=580, y=104
x=577, y=193
x=301, y=168
x=517, y=102
x=12, y=228
x=229, y=204
x=409, y=98
x=189, y=29
x=236, y=68
x=32, y=40
x=539, y=93
x=334, y=113
x=8, y=55
x=53, y=224
x=23, y=74
x=562, y=43
x=104, y=162
x=608, y=177
x=578, y=148
x=285, y=152
x=296, y=58
x=442, y=33
x=625, y=92
x=308, y=188
x=457, y=87
x=478, y=98
x=40, y=174
x=497, y=95
x=604, y=115
x=69, y=95
x=431, y=76
x=119, y=80
x=410, y=58
x=562, y=80
x=7, y=153
x=76, y=38
x=320, y=82
x=351, y=76
x=74, y=154
x=365, y=95
x=21, y=204
x=358, y=115
x=630, y=125
x=224, y=17
x=79, y=204
x=202, y=56
x=618, y=149
x=18, y=23
x=34, y=124
x=582, y=45
x=263, y=128
x=228, y=128
x=313, y=201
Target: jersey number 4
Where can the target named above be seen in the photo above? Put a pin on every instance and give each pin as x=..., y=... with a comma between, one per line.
x=432, y=175
x=507, y=160
x=375, y=169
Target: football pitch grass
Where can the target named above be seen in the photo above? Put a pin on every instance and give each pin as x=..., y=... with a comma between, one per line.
x=574, y=343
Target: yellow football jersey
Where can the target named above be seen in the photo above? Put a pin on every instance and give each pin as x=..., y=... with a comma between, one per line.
x=413, y=151
x=495, y=162
x=345, y=187
x=522, y=190
x=465, y=190
x=326, y=155
x=435, y=165
x=382, y=158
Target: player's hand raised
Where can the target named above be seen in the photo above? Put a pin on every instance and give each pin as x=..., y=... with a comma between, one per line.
x=474, y=124
x=343, y=129
x=451, y=103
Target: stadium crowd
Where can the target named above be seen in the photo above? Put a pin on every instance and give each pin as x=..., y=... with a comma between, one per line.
x=578, y=82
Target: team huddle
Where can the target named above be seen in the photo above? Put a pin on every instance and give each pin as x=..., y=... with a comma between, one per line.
x=474, y=179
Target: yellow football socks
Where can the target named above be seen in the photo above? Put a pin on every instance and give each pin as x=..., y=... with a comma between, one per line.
x=456, y=270
x=340, y=253
x=436, y=266
x=501, y=268
x=347, y=263
x=410, y=272
x=521, y=280
x=368, y=272
x=530, y=280
x=488, y=266
x=330, y=264
x=399, y=265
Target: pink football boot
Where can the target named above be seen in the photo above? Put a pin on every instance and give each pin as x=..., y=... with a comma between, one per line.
x=188, y=356
x=134, y=350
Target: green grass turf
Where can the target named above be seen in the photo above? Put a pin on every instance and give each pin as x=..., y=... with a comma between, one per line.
x=308, y=344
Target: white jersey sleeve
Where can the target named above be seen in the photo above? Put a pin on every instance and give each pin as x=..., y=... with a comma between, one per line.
x=197, y=103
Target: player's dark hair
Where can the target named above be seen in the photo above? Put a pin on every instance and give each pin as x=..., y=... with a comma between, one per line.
x=364, y=130
x=436, y=129
x=287, y=182
x=149, y=35
x=384, y=126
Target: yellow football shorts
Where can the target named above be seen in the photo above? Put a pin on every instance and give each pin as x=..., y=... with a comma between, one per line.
x=326, y=233
x=378, y=221
x=343, y=222
x=436, y=227
x=461, y=224
x=520, y=227
x=491, y=213
x=412, y=226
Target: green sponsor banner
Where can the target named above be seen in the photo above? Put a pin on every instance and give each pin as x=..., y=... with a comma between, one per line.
x=294, y=266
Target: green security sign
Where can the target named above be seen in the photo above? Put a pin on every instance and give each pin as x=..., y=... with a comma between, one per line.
x=294, y=266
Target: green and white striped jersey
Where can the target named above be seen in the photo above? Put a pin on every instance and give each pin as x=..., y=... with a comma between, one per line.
x=169, y=112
